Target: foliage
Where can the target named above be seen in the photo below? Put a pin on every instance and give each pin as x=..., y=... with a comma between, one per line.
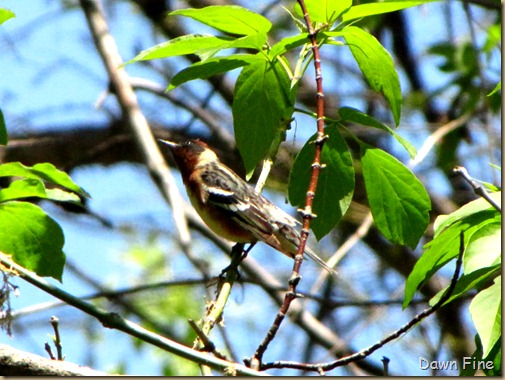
x=480, y=224
x=264, y=104
x=32, y=237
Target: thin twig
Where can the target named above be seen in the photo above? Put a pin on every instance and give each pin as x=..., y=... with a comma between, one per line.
x=49, y=351
x=476, y=186
x=396, y=334
x=215, y=126
x=215, y=309
x=55, y=322
x=436, y=137
x=135, y=120
x=115, y=321
x=385, y=361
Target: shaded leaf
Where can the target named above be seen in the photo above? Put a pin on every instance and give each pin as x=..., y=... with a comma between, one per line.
x=262, y=107
x=211, y=67
x=467, y=282
x=356, y=116
x=3, y=130
x=335, y=185
x=33, y=187
x=287, y=44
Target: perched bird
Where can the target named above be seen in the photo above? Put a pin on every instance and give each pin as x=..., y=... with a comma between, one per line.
x=231, y=207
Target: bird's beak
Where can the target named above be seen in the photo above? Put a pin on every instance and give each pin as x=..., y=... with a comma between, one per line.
x=169, y=143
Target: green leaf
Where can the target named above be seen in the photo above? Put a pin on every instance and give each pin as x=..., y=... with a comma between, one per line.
x=34, y=187
x=443, y=221
x=325, y=11
x=253, y=41
x=399, y=202
x=211, y=67
x=443, y=248
x=469, y=368
x=3, y=130
x=496, y=89
x=485, y=310
x=376, y=8
x=228, y=18
x=5, y=15
x=262, y=107
x=44, y=171
x=205, y=46
x=376, y=65
x=287, y=44
x=32, y=238
x=335, y=185
x=355, y=116
x=484, y=248
x=467, y=282
x=188, y=44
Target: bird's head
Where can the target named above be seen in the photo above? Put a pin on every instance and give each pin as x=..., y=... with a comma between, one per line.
x=191, y=154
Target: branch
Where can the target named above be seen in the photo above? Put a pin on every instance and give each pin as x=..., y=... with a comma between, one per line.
x=15, y=362
x=320, y=367
x=436, y=137
x=135, y=120
x=255, y=361
x=477, y=187
x=115, y=321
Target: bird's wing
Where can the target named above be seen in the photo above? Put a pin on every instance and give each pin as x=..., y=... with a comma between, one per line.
x=256, y=214
x=233, y=195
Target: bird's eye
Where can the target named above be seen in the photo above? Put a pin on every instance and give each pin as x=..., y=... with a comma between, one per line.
x=188, y=144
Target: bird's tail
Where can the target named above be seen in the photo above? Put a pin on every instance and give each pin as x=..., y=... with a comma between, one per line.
x=320, y=261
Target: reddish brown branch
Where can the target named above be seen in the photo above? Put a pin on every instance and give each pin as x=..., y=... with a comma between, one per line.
x=307, y=213
x=322, y=367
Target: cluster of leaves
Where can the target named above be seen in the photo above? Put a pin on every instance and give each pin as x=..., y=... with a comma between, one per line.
x=264, y=100
x=480, y=224
x=27, y=233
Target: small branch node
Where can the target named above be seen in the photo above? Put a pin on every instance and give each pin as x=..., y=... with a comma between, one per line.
x=318, y=165
x=307, y=213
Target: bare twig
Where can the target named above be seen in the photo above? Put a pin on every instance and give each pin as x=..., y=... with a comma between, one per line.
x=55, y=322
x=476, y=186
x=396, y=334
x=199, y=112
x=215, y=309
x=115, y=321
x=49, y=351
x=436, y=137
x=15, y=362
x=122, y=89
x=385, y=361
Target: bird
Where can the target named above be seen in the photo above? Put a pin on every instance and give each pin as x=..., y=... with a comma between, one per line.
x=231, y=207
